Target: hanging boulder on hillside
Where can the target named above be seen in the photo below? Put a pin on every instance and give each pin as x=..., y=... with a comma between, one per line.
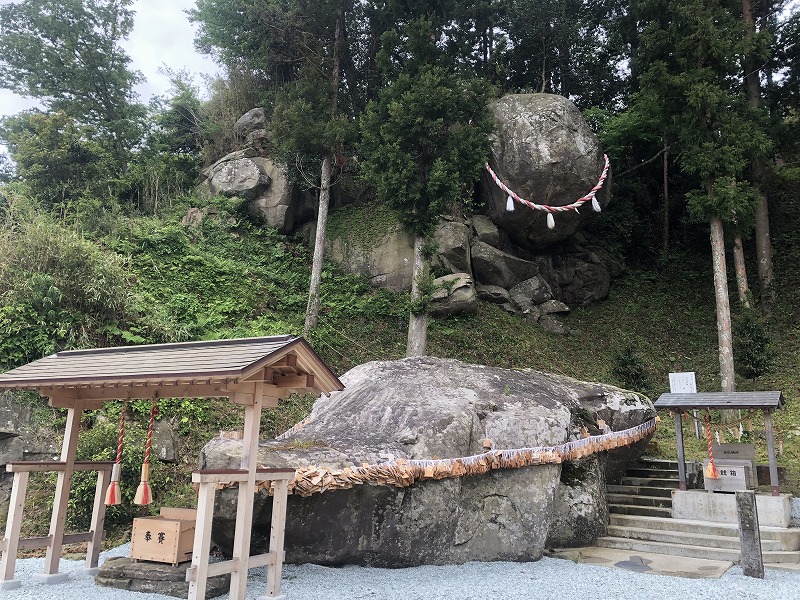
x=545, y=152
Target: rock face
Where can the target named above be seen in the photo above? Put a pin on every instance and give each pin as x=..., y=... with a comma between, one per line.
x=546, y=153
x=424, y=408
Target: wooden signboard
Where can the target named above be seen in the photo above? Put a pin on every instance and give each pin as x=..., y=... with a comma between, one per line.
x=168, y=538
x=733, y=476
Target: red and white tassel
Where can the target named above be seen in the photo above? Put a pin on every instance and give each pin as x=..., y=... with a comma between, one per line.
x=113, y=493
x=144, y=495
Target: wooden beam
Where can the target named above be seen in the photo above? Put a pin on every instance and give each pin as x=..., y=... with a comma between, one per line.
x=218, y=568
x=54, y=466
x=90, y=398
x=298, y=382
x=277, y=529
x=773, y=461
x=679, y=445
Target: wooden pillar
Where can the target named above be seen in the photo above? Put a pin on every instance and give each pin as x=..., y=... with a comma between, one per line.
x=13, y=526
x=277, y=529
x=63, y=484
x=246, y=498
x=202, y=540
x=773, y=462
x=679, y=445
x=98, y=521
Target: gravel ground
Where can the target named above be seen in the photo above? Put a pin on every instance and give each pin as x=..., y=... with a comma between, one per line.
x=547, y=579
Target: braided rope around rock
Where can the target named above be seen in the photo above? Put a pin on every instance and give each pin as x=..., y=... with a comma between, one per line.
x=402, y=472
x=553, y=209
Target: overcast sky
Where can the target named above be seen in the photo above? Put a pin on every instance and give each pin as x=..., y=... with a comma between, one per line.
x=161, y=35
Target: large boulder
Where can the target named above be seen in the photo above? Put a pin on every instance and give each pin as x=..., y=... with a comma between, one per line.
x=264, y=184
x=545, y=152
x=423, y=408
x=495, y=267
x=454, y=295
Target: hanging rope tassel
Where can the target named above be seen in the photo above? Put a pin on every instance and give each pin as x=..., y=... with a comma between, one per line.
x=144, y=494
x=510, y=204
x=113, y=493
x=551, y=221
x=711, y=469
x=595, y=205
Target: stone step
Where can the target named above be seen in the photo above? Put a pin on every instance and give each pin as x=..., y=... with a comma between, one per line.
x=788, y=538
x=644, y=490
x=658, y=463
x=650, y=482
x=637, y=500
x=690, y=551
x=685, y=538
x=652, y=473
x=644, y=511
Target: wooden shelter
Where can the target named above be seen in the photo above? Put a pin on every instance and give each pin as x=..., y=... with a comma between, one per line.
x=765, y=401
x=255, y=373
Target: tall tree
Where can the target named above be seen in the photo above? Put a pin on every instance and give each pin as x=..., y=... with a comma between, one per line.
x=691, y=50
x=424, y=142
x=67, y=54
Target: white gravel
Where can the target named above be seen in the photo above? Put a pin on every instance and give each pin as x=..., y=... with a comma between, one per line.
x=547, y=579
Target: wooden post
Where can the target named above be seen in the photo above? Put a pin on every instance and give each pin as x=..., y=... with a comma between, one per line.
x=98, y=521
x=63, y=484
x=202, y=540
x=773, y=463
x=750, y=557
x=679, y=445
x=13, y=526
x=246, y=498
x=277, y=528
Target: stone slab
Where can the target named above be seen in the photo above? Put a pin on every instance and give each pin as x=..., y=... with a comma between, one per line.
x=50, y=578
x=699, y=505
x=158, y=578
x=646, y=562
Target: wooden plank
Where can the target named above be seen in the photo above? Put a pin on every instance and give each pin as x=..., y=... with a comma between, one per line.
x=218, y=568
x=52, y=466
x=63, y=484
x=178, y=514
x=299, y=382
x=721, y=400
x=16, y=507
x=69, y=538
x=98, y=519
x=234, y=475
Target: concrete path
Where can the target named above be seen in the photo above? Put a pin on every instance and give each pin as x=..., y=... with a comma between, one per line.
x=644, y=562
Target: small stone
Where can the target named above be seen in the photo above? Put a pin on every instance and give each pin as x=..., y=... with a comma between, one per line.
x=492, y=293
x=553, y=306
x=551, y=324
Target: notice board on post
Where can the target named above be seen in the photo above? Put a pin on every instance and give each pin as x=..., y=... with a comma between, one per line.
x=685, y=383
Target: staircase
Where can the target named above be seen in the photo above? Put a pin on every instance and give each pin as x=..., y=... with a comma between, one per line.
x=641, y=520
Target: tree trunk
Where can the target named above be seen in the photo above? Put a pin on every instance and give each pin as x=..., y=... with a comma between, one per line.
x=724, y=333
x=665, y=207
x=312, y=309
x=741, y=271
x=418, y=323
x=763, y=242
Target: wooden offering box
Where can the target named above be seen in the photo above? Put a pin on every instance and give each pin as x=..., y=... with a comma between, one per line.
x=167, y=538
